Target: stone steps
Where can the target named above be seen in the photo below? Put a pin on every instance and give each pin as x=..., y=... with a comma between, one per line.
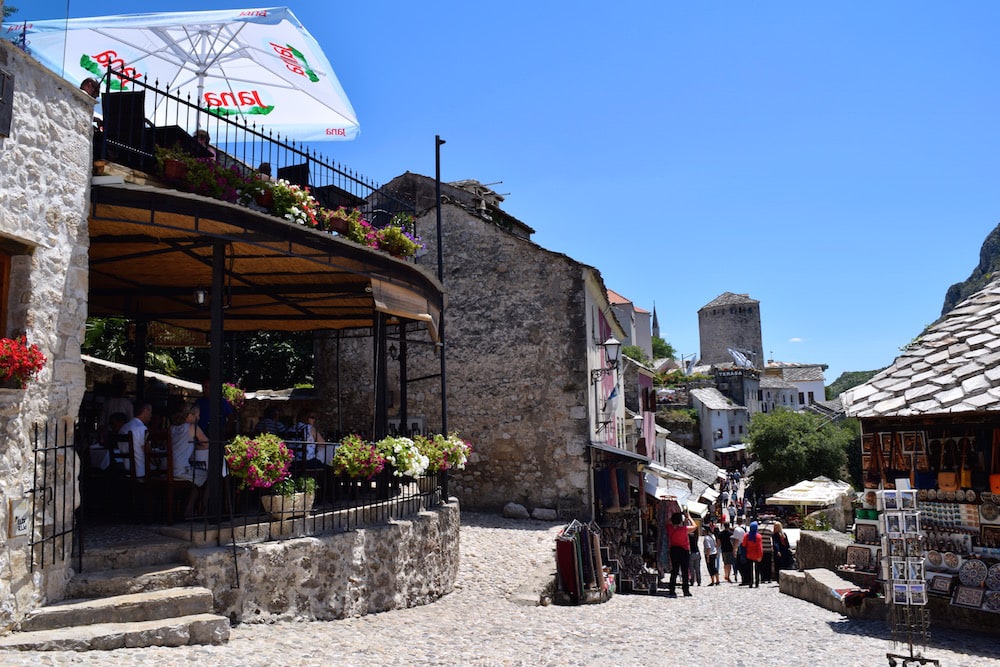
x=177, y=631
x=130, y=580
x=134, y=591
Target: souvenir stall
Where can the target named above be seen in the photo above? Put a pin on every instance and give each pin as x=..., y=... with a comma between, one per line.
x=581, y=574
x=621, y=514
x=932, y=498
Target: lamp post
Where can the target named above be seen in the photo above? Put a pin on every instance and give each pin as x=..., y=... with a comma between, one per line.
x=438, y=142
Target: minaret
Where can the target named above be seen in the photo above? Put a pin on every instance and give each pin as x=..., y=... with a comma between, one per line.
x=656, y=323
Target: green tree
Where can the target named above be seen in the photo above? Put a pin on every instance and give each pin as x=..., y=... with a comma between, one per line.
x=635, y=352
x=793, y=446
x=662, y=349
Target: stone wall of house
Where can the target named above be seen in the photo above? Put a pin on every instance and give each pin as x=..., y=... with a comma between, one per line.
x=403, y=564
x=732, y=325
x=516, y=366
x=44, y=193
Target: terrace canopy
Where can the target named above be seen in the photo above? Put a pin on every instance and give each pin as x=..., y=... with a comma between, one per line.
x=159, y=255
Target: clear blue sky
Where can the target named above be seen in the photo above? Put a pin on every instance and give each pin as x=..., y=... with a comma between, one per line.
x=837, y=161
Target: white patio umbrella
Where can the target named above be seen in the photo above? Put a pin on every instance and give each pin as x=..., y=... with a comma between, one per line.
x=256, y=64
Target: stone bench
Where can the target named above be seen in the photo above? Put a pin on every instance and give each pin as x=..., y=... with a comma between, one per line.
x=819, y=586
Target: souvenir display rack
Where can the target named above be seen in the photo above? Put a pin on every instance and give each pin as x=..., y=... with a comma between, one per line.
x=902, y=566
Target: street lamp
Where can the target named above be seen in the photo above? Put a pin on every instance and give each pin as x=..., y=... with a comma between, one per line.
x=612, y=355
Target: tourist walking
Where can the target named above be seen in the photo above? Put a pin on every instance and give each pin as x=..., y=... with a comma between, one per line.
x=753, y=545
x=680, y=552
x=711, y=550
x=724, y=541
x=783, y=557
x=767, y=563
x=694, y=561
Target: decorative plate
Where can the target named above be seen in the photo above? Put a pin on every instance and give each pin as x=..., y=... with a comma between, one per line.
x=934, y=558
x=992, y=601
x=972, y=572
x=931, y=494
x=951, y=561
x=993, y=577
x=922, y=494
x=989, y=511
x=970, y=496
x=870, y=498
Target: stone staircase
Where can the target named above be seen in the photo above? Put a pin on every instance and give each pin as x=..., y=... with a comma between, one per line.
x=132, y=593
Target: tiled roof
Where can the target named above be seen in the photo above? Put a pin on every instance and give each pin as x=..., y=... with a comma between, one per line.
x=713, y=399
x=953, y=367
x=679, y=457
x=616, y=299
x=803, y=374
x=774, y=382
x=729, y=299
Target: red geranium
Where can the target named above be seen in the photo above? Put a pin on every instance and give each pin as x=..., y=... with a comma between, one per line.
x=19, y=361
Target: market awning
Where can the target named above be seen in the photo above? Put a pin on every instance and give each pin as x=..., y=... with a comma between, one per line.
x=661, y=488
x=620, y=452
x=821, y=492
x=731, y=449
x=710, y=494
x=697, y=509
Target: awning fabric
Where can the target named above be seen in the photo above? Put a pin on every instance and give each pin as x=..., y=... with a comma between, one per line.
x=731, y=449
x=820, y=491
x=619, y=451
x=710, y=494
x=395, y=299
x=661, y=488
x=697, y=509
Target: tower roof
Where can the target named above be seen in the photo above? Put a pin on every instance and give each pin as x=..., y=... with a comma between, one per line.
x=729, y=299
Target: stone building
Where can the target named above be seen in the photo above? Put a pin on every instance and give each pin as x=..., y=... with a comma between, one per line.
x=730, y=322
x=523, y=328
x=635, y=321
x=44, y=189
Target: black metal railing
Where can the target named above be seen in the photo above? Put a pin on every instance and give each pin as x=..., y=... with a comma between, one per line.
x=124, y=134
x=53, y=496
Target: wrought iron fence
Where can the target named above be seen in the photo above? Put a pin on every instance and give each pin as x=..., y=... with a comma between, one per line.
x=125, y=135
x=53, y=495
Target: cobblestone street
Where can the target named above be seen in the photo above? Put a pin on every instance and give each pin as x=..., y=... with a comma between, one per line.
x=479, y=624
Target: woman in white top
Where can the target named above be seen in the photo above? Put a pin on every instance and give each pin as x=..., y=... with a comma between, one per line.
x=189, y=445
x=712, y=556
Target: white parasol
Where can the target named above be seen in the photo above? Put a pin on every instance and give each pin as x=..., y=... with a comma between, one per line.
x=260, y=65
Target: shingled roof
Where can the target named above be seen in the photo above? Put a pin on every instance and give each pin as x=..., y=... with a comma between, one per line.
x=729, y=299
x=954, y=367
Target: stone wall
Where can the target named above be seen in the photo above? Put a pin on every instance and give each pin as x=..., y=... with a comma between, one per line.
x=44, y=194
x=516, y=360
x=403, y=564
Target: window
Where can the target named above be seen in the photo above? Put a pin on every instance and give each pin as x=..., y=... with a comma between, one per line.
x=741, y=429
x=812, y=399
x=732, y=430
x=802, y=398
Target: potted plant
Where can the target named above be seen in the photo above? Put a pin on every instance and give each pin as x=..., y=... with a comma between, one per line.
x=295, y=203
x=172, y=163
x=19, y=362
x=356, y=458
x=394, y=240
x=403, y=455
x=451, y=453
x=234, y=395
x=259, y=462
x=291, y=497
x=340, y=220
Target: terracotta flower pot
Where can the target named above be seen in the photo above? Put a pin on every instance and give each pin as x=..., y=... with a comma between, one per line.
x=174, y=170
x=335, y=224
x=265, y=199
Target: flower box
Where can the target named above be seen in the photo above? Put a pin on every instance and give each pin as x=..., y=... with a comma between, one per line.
x=282, y=508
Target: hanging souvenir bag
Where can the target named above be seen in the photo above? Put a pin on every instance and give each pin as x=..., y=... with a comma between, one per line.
x=980, y=475
x=965, y=467
x=947, y=477
x=874, y=476
x=995, y=463
x=925, y=477
x=897, y=462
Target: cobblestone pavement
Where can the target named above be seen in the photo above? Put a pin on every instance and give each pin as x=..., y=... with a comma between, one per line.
x=479, y=624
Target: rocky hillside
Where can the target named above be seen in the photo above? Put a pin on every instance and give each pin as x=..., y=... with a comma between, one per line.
x=989, y=263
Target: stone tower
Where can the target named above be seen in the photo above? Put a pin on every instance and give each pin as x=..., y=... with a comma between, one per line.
x=730, y=321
